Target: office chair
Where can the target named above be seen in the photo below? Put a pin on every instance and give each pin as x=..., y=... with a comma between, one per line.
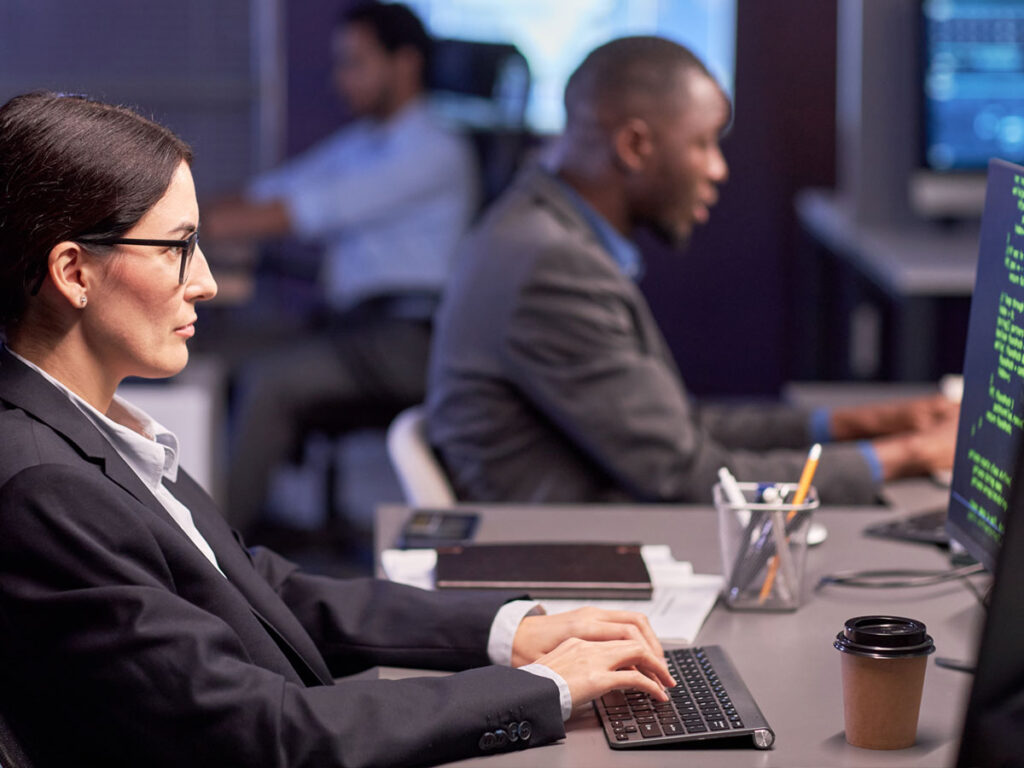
x=420, y=474
x=483, y=89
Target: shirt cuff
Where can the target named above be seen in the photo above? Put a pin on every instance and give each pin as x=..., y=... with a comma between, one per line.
x=503, y=629
x=564, y=696
x=871, y=457
x=821, y=425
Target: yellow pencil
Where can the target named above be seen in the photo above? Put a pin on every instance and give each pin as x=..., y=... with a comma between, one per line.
x=810, y=466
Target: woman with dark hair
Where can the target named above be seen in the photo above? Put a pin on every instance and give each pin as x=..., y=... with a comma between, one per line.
x=135, y=628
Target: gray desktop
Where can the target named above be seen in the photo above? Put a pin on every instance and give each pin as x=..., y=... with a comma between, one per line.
x=786, y=659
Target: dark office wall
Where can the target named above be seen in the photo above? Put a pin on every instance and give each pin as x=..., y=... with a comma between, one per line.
x=190, y=64
x=313, y=109
x=724, y=303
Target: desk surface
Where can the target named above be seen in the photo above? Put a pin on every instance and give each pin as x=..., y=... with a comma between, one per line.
x=787, y=660
x=916, y=259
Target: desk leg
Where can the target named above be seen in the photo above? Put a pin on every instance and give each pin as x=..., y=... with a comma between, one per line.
x=914, y=342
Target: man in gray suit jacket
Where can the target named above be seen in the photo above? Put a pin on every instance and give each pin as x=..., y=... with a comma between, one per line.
x=550, y=380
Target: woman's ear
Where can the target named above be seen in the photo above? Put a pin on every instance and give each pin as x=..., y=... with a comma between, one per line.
x=633, y=144
x=69, y=273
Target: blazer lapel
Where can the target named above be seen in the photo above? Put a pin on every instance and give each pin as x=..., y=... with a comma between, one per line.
x=23, y=388
x=266, y=604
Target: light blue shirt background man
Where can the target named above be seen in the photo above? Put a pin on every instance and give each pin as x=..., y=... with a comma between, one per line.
x=388, y=200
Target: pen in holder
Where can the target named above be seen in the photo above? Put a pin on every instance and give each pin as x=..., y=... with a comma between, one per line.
x=764, y=544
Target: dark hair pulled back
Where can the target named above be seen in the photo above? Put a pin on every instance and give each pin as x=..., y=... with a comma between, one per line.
x=69, y=167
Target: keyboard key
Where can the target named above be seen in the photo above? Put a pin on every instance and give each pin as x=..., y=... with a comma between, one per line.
x=614, y=699
x=673, y=729
x=648, y=730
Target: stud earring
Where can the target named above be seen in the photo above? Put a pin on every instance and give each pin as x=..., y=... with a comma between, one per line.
x=82, y=300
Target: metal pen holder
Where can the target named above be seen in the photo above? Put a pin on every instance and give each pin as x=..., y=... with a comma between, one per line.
x=764, y=546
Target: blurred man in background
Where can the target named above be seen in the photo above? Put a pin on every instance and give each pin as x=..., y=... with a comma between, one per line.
x=387, y=196
x=550, y=380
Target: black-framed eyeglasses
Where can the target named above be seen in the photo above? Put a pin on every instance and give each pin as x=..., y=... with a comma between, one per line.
x=188, y=248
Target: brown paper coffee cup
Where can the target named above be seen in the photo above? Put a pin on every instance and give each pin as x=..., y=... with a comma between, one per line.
x=882, y=700
x=883, y=665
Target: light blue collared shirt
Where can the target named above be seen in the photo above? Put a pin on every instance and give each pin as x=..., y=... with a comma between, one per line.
x=622, y=250
x=389, y=201
x=821, y=432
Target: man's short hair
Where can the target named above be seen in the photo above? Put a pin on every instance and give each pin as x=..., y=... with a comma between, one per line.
x=624, y=75
x=394, y=25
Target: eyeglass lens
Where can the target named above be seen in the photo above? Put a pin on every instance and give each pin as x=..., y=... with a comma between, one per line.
x=186, y=257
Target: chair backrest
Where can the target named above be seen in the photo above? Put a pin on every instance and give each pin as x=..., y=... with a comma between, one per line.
x=420, y=474
x=486, y=84
x=483, y=88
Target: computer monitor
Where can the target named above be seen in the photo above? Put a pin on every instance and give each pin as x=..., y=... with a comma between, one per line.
x=972, y=68
x=971, y=100
x=992, y=409
x=993, y=732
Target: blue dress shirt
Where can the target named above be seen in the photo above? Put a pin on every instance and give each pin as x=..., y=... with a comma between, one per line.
x=389, y=201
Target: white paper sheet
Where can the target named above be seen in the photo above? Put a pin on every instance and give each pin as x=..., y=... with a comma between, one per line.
x=681, y=602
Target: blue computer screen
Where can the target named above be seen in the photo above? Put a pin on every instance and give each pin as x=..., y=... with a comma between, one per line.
x=973, y=67
x=992, y=410
x=555, y=35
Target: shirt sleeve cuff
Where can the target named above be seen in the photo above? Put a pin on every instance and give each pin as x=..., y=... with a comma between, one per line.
x=503, y=629
x=821, y=425
x=871, y=457
x=564, y=696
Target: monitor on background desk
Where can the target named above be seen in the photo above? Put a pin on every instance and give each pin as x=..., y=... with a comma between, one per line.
x=970, y=104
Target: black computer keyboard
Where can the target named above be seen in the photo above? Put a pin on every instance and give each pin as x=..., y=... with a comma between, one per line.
x=709, y=701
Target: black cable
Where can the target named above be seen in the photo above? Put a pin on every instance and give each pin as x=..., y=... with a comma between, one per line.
x=958, y=664
x=897, y=578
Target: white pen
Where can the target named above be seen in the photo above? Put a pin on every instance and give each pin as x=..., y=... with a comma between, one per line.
x=735, y=496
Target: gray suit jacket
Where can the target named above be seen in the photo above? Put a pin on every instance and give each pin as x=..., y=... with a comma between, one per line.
x=123, y=645
x=550, y=381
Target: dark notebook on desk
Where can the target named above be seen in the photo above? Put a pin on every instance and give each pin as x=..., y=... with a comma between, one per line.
x=573, y=570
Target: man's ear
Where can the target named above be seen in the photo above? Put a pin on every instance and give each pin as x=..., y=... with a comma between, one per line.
x=68, y=271
x=634, y=145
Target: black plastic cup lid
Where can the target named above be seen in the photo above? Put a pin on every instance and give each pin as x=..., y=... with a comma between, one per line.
x=884, y=637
